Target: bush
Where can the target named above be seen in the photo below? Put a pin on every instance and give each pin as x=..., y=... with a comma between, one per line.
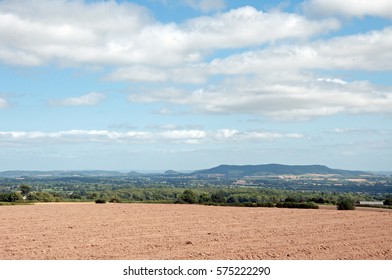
x=100, y=201
x=345, y=204
x=11, y=197
x=115, y=200
x=388, y=201
x=204, y=197
x=188, y=196
x=24, y=189
x=250, y=204
x=291, y=199
x=232, y=199
x=265, y=204
x=219, y=197
x=319, y=200
x=302, y=205
x=42, y=197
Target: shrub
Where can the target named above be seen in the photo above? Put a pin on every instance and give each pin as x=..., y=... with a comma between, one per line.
x=75, y=196
x=290, y=199
x=232, y=199
x=302, y=205
x=250, y=204
x=41, y=197
x=24, y=189
x=100, y=201
x=388, y=201
x=219, y=197
x=204, y=197
x=11, y=197
x=265, y=204
x=188, y=196
x=345, y=204
x=115, y=200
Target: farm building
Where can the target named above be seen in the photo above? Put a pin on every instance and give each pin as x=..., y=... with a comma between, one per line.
x=370, y=203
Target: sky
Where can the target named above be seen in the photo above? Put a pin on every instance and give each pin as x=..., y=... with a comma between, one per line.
x=191, y=84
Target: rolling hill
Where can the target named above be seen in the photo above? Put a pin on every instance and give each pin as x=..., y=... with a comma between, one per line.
x=224, y=170
x=275, y=169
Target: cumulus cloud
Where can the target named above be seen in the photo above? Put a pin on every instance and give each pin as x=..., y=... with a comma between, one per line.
x=3, y=103
x=185, y=136
x=349, y=8
x=139, y=74
x=367, y=51
x=245, y=27
x=191, y=74
x=302, y=98
x=206, y=5
x=90, y=99
x=64, y=30
x=278, y=81
x=364, y=131
x=111, y=33
x=274, y=78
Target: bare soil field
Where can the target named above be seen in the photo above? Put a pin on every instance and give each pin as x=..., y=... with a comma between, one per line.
x=158, y=231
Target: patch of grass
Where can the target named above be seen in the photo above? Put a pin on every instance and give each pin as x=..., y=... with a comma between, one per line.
x=15, y=203
x=376, y=206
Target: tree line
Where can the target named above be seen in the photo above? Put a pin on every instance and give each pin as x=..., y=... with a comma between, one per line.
x=234, y=196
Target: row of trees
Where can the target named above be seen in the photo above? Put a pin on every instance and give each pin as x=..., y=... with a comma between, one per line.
x=222, y=196
x=188, y=196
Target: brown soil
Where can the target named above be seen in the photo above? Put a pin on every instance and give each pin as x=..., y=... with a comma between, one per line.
x=149, y=231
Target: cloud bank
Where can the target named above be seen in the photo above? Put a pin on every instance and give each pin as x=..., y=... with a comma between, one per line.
x=272, y=66
x=90, y=99
x=192, y=136
x=3, y=103
x=109, y=33
x=349, y=8
x=206, y=5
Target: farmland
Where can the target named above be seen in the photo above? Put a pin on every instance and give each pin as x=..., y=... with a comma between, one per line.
x=183, y=231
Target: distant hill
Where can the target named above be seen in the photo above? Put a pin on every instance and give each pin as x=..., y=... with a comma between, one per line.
x=60, y=173
x=225, y=170
x=275, y=169
x=172, y=172
x=133, y=174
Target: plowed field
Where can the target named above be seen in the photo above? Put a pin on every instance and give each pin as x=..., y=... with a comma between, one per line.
x=149, y=231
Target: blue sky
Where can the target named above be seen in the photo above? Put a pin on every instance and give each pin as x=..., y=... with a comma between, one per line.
x=190, y=84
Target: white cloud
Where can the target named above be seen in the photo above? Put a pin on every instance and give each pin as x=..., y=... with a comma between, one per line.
x=357, y=52
x=364, y=131
x=369, y=51
x=3, y=103
x=192, y=74
x=184, y=134
x=349, y=8
x=302, y=98
x=176, y=136
x=123, y=34
x=90, y=99
x=278, y=87
x=275, y=80
x=139, y=74
x=206, y=5
x=245, y=27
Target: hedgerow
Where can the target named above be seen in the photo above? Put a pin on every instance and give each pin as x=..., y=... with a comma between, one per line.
x=302, y=205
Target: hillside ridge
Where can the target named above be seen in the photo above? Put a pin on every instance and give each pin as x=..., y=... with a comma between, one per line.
x=276, y=169
x=223, y=169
